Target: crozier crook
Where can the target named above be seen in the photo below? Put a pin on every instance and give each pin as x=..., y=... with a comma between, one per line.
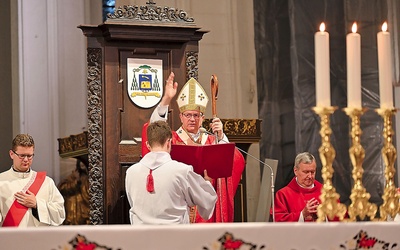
x=214, y=97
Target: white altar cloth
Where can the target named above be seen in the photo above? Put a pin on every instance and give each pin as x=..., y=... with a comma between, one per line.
x=277, y=236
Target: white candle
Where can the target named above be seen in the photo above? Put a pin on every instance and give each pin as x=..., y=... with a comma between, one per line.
x=353, y=53
x=385, y=68
x=322, y=69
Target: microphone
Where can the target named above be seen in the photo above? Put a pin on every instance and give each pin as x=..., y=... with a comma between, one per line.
x=204, y=131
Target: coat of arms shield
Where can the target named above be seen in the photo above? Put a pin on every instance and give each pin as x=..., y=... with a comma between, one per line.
x=145, y=81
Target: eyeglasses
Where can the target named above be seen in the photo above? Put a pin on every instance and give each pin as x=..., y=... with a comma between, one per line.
x=195, y=116
x=21, y=156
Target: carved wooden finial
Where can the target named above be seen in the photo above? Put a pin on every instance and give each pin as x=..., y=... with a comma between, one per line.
x=150, y=13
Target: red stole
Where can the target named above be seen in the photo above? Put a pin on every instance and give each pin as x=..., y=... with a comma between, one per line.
x=18, y=211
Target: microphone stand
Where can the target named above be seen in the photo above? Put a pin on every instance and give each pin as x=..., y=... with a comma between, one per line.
x=203, y=130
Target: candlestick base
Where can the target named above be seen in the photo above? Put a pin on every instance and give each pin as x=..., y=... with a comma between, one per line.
x=390, y=197
x=359, y=207
x=329, y=206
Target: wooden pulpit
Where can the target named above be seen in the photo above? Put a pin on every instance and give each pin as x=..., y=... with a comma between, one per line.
x=164, y=35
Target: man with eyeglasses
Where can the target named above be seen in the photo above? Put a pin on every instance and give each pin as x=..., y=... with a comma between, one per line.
x=192, y=101
x=298, y=201
x=28, y=198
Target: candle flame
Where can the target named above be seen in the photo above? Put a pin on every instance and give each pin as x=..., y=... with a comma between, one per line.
x=384, y=26
x=354, y=28
x=322, y=27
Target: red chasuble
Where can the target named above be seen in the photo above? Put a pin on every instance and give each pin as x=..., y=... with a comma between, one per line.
x=291, y=200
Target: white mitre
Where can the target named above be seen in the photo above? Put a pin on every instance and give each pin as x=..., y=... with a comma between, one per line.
x=192, y=97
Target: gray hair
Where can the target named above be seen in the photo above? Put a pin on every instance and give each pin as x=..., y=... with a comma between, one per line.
x=304, y=157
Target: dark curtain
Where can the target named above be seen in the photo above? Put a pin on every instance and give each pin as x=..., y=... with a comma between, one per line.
x=284, y=41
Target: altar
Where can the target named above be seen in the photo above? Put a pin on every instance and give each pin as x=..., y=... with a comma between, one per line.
x=271, y=236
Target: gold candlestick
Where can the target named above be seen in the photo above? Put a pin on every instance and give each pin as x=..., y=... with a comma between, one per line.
x=390, y=197
x=360, y=205
x=329, y=198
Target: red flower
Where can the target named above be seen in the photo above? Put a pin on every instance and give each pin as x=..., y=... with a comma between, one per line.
x=366, y=242
x=230, y=244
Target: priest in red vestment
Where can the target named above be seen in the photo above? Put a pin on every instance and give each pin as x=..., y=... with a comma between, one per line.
x=192, y=101
x=299, y=200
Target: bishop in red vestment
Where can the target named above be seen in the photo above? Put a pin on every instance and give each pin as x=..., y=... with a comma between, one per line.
x=192, y=101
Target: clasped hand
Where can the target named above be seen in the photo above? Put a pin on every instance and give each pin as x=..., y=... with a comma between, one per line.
x=27, y=199
x=310, y=208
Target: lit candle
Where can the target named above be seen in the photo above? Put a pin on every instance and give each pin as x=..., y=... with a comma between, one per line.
x=353, y=53
x=322, y=70
x=385, y=68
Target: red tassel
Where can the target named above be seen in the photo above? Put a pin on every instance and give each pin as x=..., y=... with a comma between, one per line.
x=150, y=182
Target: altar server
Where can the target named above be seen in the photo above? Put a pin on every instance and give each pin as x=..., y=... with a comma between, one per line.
x=28, y=198
x=161, y=190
